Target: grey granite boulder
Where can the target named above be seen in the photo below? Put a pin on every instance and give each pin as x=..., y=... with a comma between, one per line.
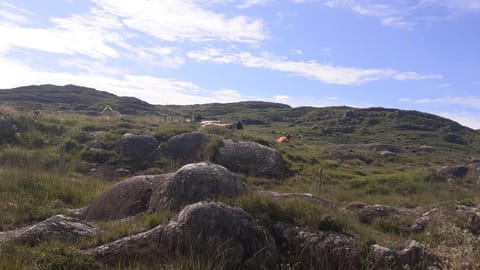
x=251, y=158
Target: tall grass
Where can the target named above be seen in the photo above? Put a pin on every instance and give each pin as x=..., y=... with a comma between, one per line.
x=28, y=195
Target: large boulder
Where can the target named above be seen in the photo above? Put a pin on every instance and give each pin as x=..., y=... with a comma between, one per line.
x=251, y=158
x=193, y=183
x=58, y=227
x=186, y=146
x=225, y=236
x=317, y=249
x=127, y=198
x=135, y=147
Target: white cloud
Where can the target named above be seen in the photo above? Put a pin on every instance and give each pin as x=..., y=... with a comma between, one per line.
x=183, y=20
x=250, y=3
x=78, y=34
x=311, y=69
x=282, y=98
x=155, y=90
x=464, y=118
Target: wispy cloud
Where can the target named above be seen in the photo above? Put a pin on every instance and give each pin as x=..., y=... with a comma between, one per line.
x=310, y=69
x=406, y=14
x=467, y=102
x=183, y=20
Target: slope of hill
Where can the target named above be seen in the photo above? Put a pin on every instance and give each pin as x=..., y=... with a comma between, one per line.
x=332, y=124
x=71, y=97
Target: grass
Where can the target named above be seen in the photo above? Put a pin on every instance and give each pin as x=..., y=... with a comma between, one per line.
x=34, y=185
x=29, y=195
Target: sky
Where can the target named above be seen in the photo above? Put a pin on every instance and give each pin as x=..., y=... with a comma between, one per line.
x=410, y=54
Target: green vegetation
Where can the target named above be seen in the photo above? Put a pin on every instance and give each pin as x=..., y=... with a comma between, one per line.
x=51, y=162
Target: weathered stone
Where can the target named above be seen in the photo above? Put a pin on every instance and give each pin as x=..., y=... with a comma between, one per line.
x=412, y=255
x=317, y=249
x=136, y=147
x=193, y=183
x=458, y=171
x=186, y=146
x=224, y=235
x=368, y=213
x=251, y=158
x=58, y=227
x=127, y=198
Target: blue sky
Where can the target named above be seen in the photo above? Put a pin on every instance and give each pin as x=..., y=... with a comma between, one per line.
x=409, y=54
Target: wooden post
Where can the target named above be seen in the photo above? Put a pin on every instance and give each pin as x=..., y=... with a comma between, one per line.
x=319, y=180
x=61, y=162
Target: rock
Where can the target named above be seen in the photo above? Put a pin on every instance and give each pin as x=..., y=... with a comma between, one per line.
x=417, y=256
x=474, y=168
x=186, y=146
x=383, y=258
x=127, y=198
x=58, y=227
x=355, y=206
x=427, y=149
x=211, y=231
x=193, y=183
x=468, y=218
x=136, y=147
x=419, y=225
x=368, y=213
x=452, y=171
x=317, y=249
x=412, y=255
x=343, y=156
x=386, y=153
x=251, y=158
x=377, y=147
x=301, y=196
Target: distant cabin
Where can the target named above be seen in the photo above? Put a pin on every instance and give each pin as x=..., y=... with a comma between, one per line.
x=110, y=113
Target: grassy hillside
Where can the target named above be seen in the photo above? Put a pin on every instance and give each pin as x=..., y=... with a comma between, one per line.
x=52, y=162
x=71, y=98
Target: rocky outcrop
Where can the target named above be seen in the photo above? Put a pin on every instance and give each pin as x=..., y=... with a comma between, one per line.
x=58, y=227
x=370, y=212
x=127, y=198
x=135, y=147
x=457, y=171
x=300, y=196
x=186, y=146
x=251, y=158
x=317, y=249
x=412, y=255
x=193, y=183
x=225, y=236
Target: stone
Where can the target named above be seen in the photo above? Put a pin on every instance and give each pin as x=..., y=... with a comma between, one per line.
x=317, y=249
x=251, y=158
x=135, y=147
x=59, y=227
x=193, y=183
x=187, y=146
x=126, y=198
x=203, y=230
